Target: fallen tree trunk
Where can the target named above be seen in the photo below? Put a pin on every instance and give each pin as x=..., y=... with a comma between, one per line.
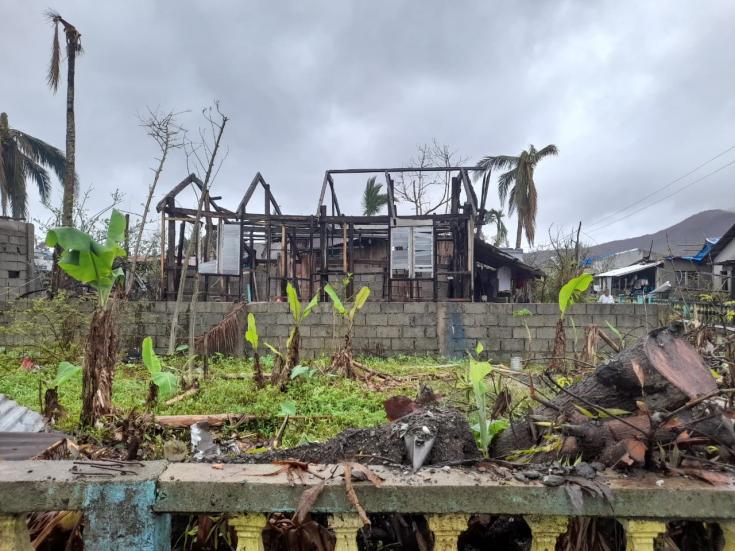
x=659, y=374
x=219, y=419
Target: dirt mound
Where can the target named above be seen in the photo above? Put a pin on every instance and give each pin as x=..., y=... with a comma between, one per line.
x=385, y=444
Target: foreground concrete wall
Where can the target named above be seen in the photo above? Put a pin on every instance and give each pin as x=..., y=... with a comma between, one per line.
x=438, y=329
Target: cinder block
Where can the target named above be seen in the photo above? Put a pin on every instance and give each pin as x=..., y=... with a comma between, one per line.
x=497, y=333
x=415, y=308
x=377, y=319
x=512, y=345
x=521, y=333
x=399, y=320
x=412, y=332
x=391, y=307
x=476, y=332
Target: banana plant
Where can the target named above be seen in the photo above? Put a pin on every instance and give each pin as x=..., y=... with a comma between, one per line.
x=282, y=372
x=251, y=335
x=165, y=382
x=343, y=360
x=91, y=263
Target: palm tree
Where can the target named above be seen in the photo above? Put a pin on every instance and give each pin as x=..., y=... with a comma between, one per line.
x=23, y=157
x=73, y=47
x=496, y=216
x=372, y=199
x=518, y=186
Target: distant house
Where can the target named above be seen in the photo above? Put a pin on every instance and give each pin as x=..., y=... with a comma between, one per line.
x=723, y=262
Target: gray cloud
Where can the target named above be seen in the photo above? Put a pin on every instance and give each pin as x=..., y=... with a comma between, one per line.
x=634, y=94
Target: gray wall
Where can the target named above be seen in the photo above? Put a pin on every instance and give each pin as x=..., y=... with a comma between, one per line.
x=391, y=328
x=16, y=257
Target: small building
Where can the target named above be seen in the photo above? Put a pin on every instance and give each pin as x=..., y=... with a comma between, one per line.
x=638, y=279
x=17, y=243
x=723, y=262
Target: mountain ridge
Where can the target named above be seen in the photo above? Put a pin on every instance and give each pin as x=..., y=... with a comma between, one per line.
x=683, y=238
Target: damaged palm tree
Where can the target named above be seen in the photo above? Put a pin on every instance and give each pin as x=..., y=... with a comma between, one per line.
x=657, y=393
x=91, y=263
x=282, y=370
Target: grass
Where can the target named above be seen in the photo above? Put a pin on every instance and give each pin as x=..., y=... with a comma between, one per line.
x=335, y=403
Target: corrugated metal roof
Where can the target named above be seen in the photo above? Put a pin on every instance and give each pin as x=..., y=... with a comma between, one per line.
x=16, y=418
x=629, y=269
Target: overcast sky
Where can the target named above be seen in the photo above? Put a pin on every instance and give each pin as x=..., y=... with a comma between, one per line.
x=634, y=94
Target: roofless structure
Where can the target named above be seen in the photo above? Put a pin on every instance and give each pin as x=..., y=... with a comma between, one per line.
x=252, y=252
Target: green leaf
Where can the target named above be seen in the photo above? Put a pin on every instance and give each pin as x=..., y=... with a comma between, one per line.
x=288, y=408
x=65, y=372
x=479, y=348
x=116, y=228
x=251, y=335
x=614, y=329
x=166, y=382
x=150, y=359
x=585, y=412
x=182, y=348
x=309, y=307
x=293, y=302
x=478, y=372
x=335, y=299
x=87, y=261
x=609, y=412
x=573, y=290
x=360, y=300
x=522, y=313
x=302, y=371
x=273, y=349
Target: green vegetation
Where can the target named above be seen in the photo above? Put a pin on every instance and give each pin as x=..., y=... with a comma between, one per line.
x=325, y=403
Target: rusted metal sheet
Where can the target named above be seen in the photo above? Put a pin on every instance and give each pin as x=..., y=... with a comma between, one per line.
x=17, y=446
x=680, y=364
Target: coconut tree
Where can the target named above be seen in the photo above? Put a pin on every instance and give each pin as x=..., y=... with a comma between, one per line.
x=73, y=48
x=496, y=216
x=23, y=158
x=518, y=186
x=372, y=198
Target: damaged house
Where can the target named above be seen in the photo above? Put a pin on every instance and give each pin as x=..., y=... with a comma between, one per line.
x=252, y=251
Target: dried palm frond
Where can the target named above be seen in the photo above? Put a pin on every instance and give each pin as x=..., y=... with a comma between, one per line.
x=54, y=66
x=226, y=336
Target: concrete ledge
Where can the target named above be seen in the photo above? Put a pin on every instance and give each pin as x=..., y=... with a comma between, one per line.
x=27, y=486
x=196, y=487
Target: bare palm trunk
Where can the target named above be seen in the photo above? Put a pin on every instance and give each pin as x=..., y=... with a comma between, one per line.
x=67, y=212
x=519, y=232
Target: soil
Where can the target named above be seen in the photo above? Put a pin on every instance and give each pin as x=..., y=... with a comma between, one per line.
x=454, y=443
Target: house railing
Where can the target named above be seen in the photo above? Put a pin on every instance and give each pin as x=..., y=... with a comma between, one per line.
x=132, y=509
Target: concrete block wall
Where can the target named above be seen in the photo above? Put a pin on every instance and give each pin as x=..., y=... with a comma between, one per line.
x=16, y=257
x=447, y=329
